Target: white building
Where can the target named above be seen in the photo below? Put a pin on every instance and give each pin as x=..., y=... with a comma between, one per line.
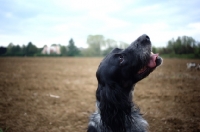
x=54, y=49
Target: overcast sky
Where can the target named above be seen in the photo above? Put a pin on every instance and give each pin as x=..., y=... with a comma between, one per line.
x=56, y=21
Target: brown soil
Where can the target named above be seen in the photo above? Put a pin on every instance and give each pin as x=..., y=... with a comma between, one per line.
x=169, y=98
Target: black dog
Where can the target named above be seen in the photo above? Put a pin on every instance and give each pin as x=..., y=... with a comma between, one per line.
x=117, y=75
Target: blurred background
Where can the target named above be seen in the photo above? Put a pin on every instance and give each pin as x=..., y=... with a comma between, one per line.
x=50, y=51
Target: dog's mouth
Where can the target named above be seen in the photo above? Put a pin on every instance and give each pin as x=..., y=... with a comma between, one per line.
x=151, y=65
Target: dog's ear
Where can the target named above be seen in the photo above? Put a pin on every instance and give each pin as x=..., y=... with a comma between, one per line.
x=116, y=50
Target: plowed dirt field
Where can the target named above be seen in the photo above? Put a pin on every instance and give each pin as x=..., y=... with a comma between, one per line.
x=58, y=95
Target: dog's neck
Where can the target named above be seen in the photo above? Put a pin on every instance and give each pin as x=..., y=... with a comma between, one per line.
x=115, y=107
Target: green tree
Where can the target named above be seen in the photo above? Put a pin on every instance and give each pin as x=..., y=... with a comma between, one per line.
x=154, y=49
x=170, y=47
x=197, y=50
x=23, y=50
x=9, y=49
x=110, y=45
x=182, y=46
x=16, y=50
x=3, y=50
x=31, y=49
x=72, y=50
x=63, y=50
x=95, y=43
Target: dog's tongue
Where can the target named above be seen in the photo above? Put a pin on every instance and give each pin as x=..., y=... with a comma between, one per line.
x=152, y=61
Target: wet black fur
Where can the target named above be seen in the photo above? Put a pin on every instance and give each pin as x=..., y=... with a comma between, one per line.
x=117, y=75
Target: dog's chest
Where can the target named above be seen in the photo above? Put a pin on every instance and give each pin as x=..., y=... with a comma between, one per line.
x=138, y=124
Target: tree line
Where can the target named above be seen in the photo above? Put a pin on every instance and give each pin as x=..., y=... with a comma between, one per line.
x=182, y=47
x=31, y=50
x=98, y=45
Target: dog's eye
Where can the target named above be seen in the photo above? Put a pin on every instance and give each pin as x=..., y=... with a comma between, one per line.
x=121, y=58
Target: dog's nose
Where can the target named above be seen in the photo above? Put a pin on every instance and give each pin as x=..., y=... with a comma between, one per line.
x=145, y=37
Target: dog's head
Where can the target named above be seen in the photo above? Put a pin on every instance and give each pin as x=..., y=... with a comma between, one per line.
x=128, y=66
x=116, y=75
